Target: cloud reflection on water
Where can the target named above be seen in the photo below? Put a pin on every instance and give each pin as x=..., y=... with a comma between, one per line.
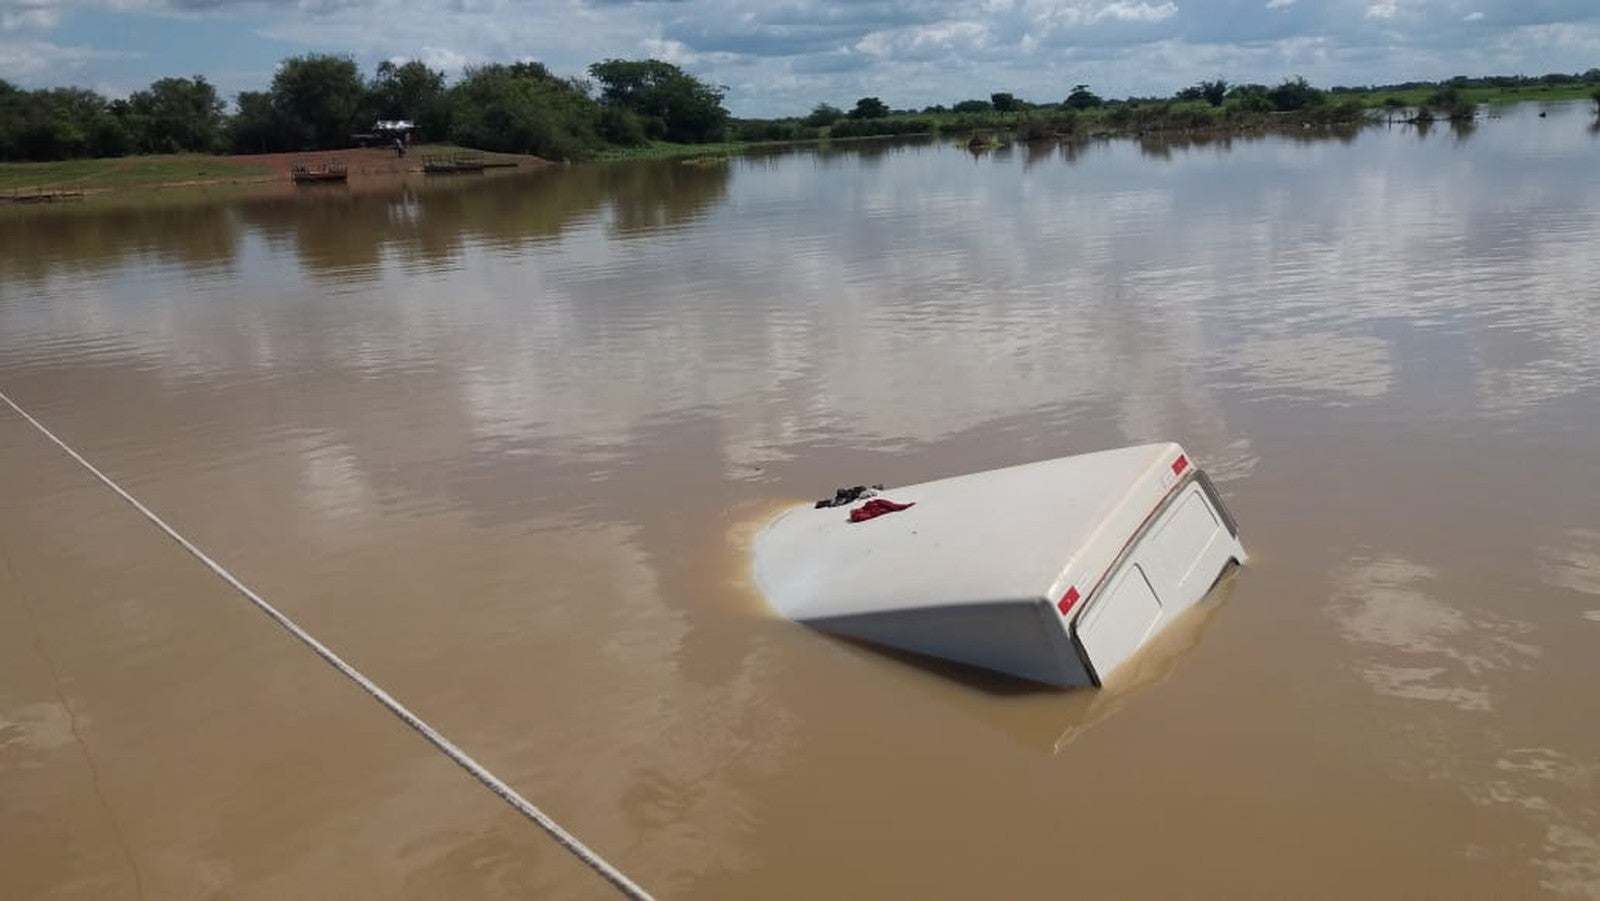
x=1413, y=646
x=1425, y=648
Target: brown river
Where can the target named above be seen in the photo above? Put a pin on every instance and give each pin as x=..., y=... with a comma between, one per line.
x=501, y=441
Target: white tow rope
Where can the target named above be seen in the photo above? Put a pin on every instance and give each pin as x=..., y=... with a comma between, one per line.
x=567, y=840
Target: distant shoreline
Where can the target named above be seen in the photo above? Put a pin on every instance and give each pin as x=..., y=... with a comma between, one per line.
x=22, y=182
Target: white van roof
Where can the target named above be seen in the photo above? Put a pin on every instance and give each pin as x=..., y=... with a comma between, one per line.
x=1024, y=533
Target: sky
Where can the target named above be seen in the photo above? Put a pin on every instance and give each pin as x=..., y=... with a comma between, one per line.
x=785, y=56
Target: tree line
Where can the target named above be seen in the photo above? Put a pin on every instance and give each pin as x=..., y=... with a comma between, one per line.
x=1218, y=101
x=319, y=102
x=1291, y=95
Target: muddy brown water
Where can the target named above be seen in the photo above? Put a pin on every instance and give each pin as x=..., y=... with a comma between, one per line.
x=500, y=442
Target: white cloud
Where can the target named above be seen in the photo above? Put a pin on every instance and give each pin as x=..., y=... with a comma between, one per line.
x=781, y=58
x=1135, y=12
x=24, y=60
x=923, y=42
x=29, y=15
x=443, y=59
x=1541, y=42
x=950, y=35
x=675, y=52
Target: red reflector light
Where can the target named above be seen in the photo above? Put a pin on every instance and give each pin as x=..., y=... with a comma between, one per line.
x=1067, y=600
x=1179, y=465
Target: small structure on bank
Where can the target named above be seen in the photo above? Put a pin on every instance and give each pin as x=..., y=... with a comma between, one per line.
x=387, y=133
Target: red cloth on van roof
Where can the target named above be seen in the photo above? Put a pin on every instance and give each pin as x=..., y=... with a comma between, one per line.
x=877, y=507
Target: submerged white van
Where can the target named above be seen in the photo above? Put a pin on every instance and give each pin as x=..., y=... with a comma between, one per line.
x=1057, y=571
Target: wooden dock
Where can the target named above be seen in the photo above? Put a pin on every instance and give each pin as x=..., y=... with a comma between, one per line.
x=332, y=171
x=440, y=164
x=42, y=195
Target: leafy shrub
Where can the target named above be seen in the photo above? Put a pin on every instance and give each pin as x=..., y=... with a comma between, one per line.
x=869, y=128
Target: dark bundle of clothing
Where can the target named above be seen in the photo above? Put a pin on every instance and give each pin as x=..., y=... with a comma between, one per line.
x=844, y=496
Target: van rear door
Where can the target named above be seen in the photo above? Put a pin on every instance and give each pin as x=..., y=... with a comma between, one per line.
x=1168, y=567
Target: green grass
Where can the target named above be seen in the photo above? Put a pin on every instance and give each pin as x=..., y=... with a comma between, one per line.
x=1416, y=96
x=415, y=152
x=123, y=172
x=666, y=150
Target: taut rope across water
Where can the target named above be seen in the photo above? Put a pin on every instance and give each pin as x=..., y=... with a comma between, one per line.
x=567, y=840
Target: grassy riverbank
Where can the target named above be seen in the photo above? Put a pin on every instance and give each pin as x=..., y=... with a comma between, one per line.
x=96, y=176
x=1490, y=95
x=667, y=150
x=126, y=172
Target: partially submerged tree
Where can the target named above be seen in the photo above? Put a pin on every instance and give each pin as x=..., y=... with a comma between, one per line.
x=1451, y=103
x=1083, y=98
x=1212, y=92
x=1295, y=94
x=1249, y=98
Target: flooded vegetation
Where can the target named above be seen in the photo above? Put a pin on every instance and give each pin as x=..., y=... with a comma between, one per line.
x=501, y=441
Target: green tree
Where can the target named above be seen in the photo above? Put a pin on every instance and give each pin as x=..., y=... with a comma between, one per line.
x=257, y=126
x=621, y=127
x=1450, y=101
x=113, y=133
x=672, y=104
x=402, y=91
x=1295, y=94
x=176, y=114
x=11, y=101
x=869, y=108
x=408, y=90
x=56, y=124
x=1004, y=102
x=1212, y=92
x=1250, y=98
x=317, y=96
x=1083, y=98
x=972, y=106
x=522, y=108
x=823, y=114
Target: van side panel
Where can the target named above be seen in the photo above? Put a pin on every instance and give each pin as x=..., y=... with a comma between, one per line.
x=1022, y=638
